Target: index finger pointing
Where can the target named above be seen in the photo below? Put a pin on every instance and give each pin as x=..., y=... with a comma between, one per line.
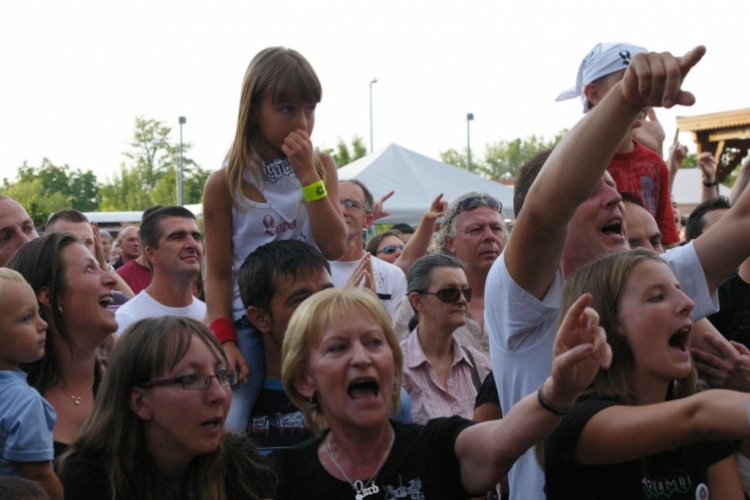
x=386, y=196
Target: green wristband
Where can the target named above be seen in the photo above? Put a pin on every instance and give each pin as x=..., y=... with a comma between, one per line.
x=315, y=191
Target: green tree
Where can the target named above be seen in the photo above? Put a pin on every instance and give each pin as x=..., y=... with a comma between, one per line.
x=47, y=188
x=345, y=154
x=148, y=176
x=502, y=159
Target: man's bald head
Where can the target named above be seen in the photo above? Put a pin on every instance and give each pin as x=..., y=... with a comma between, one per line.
x=16, y=228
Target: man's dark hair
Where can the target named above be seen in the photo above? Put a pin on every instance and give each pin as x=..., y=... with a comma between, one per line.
x=150, y=230
x=69, y=214
x=270, y=262
x=149, y=211
x=696, y=222
x=527, y=173
x=369, y=200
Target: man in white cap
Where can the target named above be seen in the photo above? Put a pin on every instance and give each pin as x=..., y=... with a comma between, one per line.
x=636, y=170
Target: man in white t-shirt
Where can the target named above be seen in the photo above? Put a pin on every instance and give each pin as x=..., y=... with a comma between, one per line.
x=569, y=213
x=172, y=244
x=356, y=266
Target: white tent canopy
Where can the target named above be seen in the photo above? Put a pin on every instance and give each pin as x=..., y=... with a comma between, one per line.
x=417, y=180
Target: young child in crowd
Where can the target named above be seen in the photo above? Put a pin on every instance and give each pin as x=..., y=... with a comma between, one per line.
x=273, y=186
x=635, y=169
x=641, y=431
x=26, y=419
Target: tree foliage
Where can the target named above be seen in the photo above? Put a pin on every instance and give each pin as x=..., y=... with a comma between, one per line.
x=501, y=159
x=149, y=175
x=47, y=188
x=345, y=154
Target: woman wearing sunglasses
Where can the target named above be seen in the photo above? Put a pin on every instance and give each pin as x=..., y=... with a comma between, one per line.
x=157, y=428
x=387, y=245
x=441, y=377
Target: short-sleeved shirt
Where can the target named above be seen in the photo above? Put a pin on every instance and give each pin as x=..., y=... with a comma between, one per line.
x=137, y=277
x=275, y=422
x=674, y=474
x=26, y=423
x=422, y=464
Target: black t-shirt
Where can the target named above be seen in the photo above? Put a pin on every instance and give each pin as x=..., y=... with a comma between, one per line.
x=275, y=422
x=85, y=477
x=675, y=474
x=488, y=392
x=733, y=318
x=421, y=465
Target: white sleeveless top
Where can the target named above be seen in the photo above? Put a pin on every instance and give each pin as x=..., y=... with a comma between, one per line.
x=282, y=217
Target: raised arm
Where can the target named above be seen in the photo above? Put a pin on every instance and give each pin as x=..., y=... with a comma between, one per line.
x=741, y=182
x=723, y=247
x=217, y=213
x=707, y=164
x=486, y=451
x=577, y=164
x=677, y=154
x=420, y=240
x=622, y=433
x=326, y=219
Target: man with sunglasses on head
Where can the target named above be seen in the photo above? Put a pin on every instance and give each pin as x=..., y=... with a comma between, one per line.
x=357, y=267
x=473, y=231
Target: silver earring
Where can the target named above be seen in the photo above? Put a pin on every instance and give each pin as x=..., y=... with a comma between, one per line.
x=312, y=404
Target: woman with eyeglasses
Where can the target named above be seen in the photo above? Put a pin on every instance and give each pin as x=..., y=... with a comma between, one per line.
x=441, y=377
x=157, y=429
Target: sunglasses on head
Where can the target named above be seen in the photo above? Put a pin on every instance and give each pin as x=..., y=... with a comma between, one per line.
x=390, y=249
x=479, y=201
x=451, y=295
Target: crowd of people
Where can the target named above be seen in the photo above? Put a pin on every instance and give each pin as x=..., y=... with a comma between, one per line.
x=594, y=352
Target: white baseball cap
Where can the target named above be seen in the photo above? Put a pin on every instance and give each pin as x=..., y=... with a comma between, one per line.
x=602, y=60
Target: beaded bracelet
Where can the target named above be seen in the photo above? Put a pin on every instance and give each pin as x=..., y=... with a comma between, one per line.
x=546, y=404
x=315, y=191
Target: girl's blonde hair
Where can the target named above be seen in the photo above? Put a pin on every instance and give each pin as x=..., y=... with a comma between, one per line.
x=606, y=279
x=281, y=74
x=116, y=436
x=305, y=330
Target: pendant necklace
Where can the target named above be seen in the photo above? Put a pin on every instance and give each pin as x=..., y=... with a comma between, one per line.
x=361, y=489
x=76, y=399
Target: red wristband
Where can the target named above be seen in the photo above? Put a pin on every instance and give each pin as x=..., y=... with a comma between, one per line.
x=223, y=328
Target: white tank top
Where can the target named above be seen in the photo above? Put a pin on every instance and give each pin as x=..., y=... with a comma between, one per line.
x=282, y=217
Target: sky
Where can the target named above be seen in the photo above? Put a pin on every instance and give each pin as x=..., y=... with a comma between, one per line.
x=76, y=74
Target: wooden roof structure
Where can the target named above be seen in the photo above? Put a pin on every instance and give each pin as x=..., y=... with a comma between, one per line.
x=726, y=135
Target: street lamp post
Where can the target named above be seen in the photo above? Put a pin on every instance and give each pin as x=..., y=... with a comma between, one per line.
x=180, y=199
x=374, y=80
x=469, y=118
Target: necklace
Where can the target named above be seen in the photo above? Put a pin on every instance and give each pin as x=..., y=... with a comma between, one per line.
x=361, y=489
x=76, y=399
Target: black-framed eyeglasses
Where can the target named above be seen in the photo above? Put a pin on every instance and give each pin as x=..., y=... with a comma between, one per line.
x=479, y=201
x=390, y=249
x=196, y=381
x=451, y=295
x=349, y=204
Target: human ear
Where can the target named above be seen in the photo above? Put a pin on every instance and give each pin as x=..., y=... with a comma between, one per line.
x=450, y=244
x=305, y=386
x=368, y=221
x=43, y=297
x=591, y=91
x=259, y=318
x=149, y=251
x=416, y=301
x=139, y=404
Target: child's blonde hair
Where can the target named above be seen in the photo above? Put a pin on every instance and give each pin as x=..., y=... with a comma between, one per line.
x=282, y=74
x=10, y=276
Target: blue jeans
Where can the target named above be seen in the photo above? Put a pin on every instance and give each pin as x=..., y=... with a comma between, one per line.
x=244, y=394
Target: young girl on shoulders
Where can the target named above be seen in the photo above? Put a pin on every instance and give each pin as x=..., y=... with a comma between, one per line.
x=26, y=419
x=641, y=430
x=273, y=185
